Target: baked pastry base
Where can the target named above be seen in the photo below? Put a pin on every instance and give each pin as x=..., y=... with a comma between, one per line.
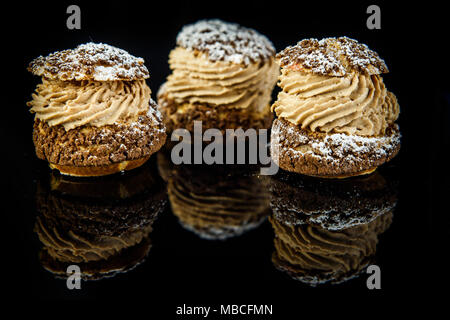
x=330, y=155
x=344, y=176
x=183, y=116
x=98, y=151
x=96, y=171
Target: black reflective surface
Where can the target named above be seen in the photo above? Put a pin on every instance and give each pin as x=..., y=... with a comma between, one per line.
x=215, y=234
x=164, y=236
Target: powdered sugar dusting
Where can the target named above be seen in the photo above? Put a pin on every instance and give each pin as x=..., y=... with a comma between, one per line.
x=138, y=129
x=340, y=144
x=334, y=147
x=226, y=41
x=332, y=56
x=90, y=61
x=156, y=116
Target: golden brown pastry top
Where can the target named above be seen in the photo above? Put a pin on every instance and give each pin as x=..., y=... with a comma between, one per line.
x=332, y=57
x=90, y=61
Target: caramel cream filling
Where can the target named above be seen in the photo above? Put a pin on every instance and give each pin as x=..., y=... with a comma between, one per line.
x=353, y=104
x=196, y=79
x=76, y=103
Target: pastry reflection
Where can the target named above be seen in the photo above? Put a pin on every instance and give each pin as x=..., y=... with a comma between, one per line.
x=101, y=224
x=327, y=231
x=216, y=202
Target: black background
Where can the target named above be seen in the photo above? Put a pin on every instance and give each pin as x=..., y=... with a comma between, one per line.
x=184, y=269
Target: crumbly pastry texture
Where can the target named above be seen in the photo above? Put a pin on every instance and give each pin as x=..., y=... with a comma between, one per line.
x=100, y=146
x=90, y=61
x=332, y=56
x=330, y=155
x=224, y=41
x=183, y=115
x=336, y=118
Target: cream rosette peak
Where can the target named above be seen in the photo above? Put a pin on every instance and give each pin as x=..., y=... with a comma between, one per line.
x=335, y=86
x=222, y=64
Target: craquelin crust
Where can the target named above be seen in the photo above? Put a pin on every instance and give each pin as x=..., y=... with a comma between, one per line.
x=89, y=150
x=330, y=155
x=332, y=57
x=226, y=41
x=183, y=115
x=90, y=61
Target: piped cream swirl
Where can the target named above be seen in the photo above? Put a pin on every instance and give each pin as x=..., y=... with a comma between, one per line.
x=196, y=79
x=354, y=104
x=76, y=103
